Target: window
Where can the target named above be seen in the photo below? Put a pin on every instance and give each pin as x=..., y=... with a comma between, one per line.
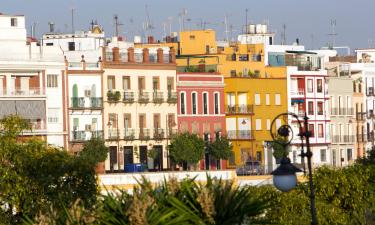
x=319, y=85
x=49, y=44
x=323, y=155
x=310, y=108
x=182, y=103
x=320, y=131
x=320, y=108
x=258, y=124
x=13, y=22
x=52, y=81
x=216, y=99
x=267, y=99
x=354, y=87
x=233, y=73
x=112, y=120
x=111, y=81
x=126, y=83
x=259, y=156
x=257, y=99
x=192, y=37
x=194, y=102
x=310, y=86
x=142, y=121
x=205, y=103
x=170, y=83
x=311, y=130
x=53, y=115
x=72, y=46
x=268, y=124
x=127, y=120
x=141, y=83
x=349, y=154
x=277, y=99
x=157, y=123
x=155, y=83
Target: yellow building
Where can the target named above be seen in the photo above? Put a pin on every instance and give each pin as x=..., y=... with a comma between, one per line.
x=254, y=94
x=251, y=104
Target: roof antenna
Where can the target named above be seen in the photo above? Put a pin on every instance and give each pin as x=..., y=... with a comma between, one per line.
x=283, y=35
x=117, y=25
x=333, y=34
x=73, y=20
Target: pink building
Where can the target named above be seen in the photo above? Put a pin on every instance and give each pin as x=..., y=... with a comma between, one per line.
x=200, y=109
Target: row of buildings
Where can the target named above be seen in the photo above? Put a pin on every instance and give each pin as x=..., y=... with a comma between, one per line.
x=137, y=95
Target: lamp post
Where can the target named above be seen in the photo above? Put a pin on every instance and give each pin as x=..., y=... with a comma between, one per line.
x=284, y=177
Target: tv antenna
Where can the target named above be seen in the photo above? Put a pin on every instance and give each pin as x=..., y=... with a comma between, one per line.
x=118, y=24
x=283, y=35
x=333, y=33
x=72, y=12
x=181, y=17
x=148, y=25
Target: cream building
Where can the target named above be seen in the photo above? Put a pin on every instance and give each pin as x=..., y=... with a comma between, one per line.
x=140, y=106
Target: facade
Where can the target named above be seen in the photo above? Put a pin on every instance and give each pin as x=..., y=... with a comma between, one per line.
x=32, y=82
x=309, y=95
x=201, y=109
x=140, y=106
x=342, y=114
x=251, y=104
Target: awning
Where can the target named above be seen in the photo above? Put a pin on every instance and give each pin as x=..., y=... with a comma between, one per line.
x=297, y=101
x=27, y=109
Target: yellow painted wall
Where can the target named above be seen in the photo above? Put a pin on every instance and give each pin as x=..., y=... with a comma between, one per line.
x=195, y=41
x=261, y=86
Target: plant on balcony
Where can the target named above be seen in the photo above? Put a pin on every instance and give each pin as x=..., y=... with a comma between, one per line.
x=113, y=96
x=187, y=148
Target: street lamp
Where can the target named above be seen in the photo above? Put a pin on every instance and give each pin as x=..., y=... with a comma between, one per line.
x=284, y=177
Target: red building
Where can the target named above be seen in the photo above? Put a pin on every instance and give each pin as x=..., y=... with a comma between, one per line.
x=201, y=110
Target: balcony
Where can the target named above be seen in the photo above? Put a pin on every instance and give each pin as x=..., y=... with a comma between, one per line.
x=129, y=134
x=96, y=102
x=361, y=138
x=299, y=92
x=172, y=133
x=349, y=138
x=158, y=133
x=80, y=103
x=144, y=134
x=240, y=134
x=78, y=136
x=336, y=139
x=77, y=103
x=31, y=92
x=113, y=96
x=113, y=134
x=157, y=97
x=370, y=91
x=97, y=134
x=240, y=109
x=128, y=97
x=143, y=97
x=360, y=116
x=172, y=97
x=203, y=68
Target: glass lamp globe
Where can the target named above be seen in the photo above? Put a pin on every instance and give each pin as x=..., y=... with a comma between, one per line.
x=284, y=176
x=285, y=183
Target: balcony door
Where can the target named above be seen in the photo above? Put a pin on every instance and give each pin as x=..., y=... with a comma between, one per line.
x=25, y=84
x=75, y=95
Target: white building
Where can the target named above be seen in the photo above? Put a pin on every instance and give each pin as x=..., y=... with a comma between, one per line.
x=32, y=81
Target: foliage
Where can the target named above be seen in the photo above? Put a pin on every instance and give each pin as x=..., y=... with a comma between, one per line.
x=369, y=160
x=113, y=96
x=185, y=202
x=280, y=150
x=187, y=148
x=37, y=179
x=221, y=148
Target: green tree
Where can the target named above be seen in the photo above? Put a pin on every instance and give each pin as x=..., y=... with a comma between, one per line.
x=36, y=178
x=221, y=148
x=187, y=148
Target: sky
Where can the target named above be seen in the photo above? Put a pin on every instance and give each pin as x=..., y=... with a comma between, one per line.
x=310, y=21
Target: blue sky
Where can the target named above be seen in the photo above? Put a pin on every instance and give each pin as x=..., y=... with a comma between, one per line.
x=303, y=19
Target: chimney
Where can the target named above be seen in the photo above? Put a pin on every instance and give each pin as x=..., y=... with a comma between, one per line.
x=131, y=55
x=145, y=55
x=150, y=39
x=160, y=55
x=172, y=55
x=116, y=54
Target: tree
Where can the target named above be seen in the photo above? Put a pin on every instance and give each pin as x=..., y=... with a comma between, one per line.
x=187, y=148
x=36, y=178
x=220, y=148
